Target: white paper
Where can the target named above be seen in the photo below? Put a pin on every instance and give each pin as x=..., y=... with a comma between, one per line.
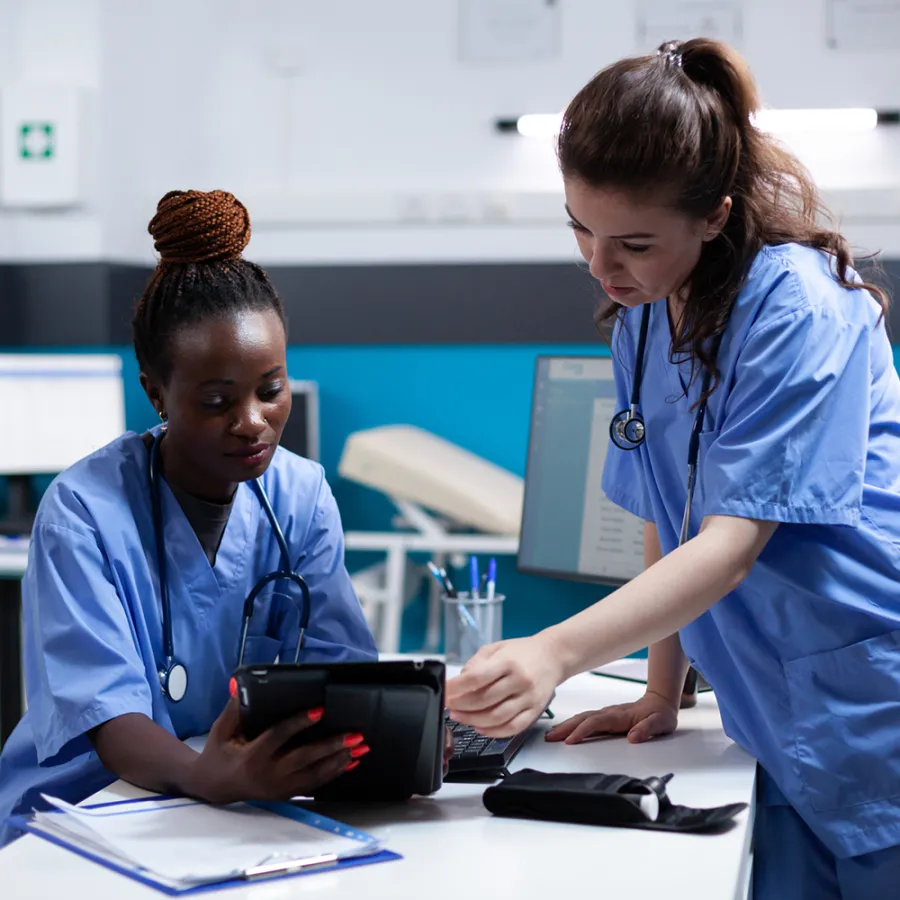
x=632, y=668
x=864, y=24
x=492, y=31
x=189, y=842
x=659, y=21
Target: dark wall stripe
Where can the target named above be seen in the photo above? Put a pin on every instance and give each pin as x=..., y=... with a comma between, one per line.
x=53, y=305
x=70, y=304
x=436, y=304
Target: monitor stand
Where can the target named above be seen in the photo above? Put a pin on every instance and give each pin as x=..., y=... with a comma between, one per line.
x=20, y=511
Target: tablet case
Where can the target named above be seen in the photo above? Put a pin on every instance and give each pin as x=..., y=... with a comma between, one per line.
x=598, y=799
x=397, y=706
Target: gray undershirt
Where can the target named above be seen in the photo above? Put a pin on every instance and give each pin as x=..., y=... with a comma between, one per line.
x=207, y=519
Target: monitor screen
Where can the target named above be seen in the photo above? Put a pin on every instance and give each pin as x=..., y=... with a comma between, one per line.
x=57, y=408
x=301, y=433
x=570, y=529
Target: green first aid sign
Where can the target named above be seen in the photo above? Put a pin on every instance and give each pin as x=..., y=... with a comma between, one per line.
x=37, y=140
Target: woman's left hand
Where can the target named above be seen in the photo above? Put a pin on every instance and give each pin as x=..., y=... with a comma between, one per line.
x=505, y=687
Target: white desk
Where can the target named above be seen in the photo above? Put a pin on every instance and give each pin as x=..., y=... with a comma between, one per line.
x=452, y=846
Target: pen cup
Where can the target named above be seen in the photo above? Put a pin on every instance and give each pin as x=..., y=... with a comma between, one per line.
x=470, y=624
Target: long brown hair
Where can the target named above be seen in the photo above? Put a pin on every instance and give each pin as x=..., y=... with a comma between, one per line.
x=681, y=119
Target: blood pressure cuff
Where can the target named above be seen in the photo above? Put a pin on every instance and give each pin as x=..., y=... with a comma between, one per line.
x=595, y=799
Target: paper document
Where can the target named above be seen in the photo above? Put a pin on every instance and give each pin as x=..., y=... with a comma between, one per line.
x=630, y=668
x=183, y=841
x=635, y=668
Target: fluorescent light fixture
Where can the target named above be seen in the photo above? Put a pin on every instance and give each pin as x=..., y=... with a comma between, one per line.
x=539, y=124
x=778, y=121
x=781, y=121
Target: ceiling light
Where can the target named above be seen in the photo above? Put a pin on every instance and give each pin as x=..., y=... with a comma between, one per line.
x=778, y=121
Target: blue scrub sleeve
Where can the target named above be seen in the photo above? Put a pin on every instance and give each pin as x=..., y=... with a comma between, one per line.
x=338, y=630
x=794, y=429
x=81, y=658
x=623, y=474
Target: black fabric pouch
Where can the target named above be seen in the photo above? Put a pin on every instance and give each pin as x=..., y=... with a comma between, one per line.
x=596, y=799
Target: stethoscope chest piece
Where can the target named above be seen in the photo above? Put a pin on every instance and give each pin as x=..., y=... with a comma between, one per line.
x=627, y=430
x=174, y=682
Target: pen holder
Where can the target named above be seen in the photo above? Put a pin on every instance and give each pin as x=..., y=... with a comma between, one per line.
x=470, y=624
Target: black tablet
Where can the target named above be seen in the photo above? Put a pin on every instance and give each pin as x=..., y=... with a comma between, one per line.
x=397, y=706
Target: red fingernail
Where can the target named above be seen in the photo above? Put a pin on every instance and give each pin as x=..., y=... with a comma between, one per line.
x=353, y=739
x=315, y=714
x=360, y=751
x=351, y=765
x=232, y=687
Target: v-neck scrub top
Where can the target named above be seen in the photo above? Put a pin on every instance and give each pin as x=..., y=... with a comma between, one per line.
x=92, y=616
x=803, y=430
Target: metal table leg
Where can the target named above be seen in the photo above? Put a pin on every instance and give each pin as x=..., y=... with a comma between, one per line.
x=10, y=656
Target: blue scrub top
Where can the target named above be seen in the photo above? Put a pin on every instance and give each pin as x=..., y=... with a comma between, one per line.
x=92, y=621
x=804, y=430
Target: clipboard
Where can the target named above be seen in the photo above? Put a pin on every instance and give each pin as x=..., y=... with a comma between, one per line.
x=87, y=845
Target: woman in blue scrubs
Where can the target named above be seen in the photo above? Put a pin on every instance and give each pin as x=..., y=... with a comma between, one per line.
x=786, y=593
x=209, y=333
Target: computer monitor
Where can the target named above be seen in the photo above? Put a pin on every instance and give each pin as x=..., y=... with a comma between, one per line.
x=301, y=433
x=570, y=529
x=57, y=408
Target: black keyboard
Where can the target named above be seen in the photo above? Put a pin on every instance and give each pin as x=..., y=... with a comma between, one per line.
x=476, y=754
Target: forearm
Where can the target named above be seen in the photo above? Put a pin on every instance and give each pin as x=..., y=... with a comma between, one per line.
x=662, y=599
x=143, y=753
x=667, y=669
x=667, y=663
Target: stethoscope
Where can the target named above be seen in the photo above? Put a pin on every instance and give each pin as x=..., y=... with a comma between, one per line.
x=627, y=430
x=173, y=676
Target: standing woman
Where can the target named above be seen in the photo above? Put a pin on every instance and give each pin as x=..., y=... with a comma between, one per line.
x=738, y=318
x=144, y=553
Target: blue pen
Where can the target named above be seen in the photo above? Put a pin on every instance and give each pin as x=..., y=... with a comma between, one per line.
x=492, y=578
x=469, y=619
x=473, y=576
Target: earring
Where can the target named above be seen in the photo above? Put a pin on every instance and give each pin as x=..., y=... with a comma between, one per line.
x=162, y=415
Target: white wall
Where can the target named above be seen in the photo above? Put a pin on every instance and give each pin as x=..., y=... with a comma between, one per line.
x=382, y=120
x=56, y=41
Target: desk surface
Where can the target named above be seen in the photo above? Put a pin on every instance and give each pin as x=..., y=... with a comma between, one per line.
x=452, y=846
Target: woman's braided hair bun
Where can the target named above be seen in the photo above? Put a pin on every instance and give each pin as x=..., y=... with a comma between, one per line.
x=198, y=226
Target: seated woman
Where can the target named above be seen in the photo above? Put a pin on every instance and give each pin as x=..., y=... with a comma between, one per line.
x=115, y=681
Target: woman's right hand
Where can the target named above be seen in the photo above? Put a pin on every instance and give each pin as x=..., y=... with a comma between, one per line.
x=646, y=718
x=231, y=768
